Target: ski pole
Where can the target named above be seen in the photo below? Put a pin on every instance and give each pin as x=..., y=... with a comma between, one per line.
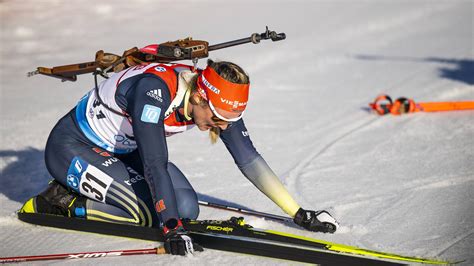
x=246, y=211
x=383, y=104
x=85, y=255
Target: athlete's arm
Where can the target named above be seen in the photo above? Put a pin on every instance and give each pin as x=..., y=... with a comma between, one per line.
x=254, y=167
x=147, y=103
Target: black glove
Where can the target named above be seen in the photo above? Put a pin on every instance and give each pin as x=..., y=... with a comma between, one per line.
x=317, y=221
x=177, y=239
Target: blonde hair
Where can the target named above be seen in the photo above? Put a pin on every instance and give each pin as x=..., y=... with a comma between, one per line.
x=229, y=71
x=214, y=134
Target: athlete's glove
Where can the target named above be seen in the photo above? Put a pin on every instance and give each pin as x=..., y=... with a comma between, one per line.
x=177, y=239
x=317, y=221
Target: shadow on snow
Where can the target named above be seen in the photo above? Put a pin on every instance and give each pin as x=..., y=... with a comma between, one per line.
x=461, y=70
x=25, y=174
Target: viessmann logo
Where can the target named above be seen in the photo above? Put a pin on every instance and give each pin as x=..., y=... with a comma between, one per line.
x=234, y=104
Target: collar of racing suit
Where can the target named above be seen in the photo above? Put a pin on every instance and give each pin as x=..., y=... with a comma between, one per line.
x=183, y=93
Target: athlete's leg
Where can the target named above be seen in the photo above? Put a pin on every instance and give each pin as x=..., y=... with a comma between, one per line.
x=91, y=172
x=188, y=206
x=186, y=197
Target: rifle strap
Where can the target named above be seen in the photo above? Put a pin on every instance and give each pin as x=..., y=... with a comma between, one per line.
x=96, y=90
x=183, y=93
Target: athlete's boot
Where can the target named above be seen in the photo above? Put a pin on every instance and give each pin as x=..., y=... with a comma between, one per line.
x=56, y=200
x=317, y=221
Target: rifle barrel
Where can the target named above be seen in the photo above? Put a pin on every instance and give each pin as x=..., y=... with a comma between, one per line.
x=255, y=38
x=229, y=44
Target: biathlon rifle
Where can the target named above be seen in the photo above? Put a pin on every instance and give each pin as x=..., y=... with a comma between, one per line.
x=185, y=49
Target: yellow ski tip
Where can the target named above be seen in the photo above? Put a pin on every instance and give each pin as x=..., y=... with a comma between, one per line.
x=29, y=206
x=364, y=252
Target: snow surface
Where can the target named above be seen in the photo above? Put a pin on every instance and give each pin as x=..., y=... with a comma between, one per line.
x=396, y=184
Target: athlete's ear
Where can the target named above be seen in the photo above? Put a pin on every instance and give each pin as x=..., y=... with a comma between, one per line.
x=195, y=98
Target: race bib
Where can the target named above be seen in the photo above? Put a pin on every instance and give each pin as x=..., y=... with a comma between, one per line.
x=88, y=180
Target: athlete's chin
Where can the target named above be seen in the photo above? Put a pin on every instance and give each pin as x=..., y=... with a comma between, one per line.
x=203, y=128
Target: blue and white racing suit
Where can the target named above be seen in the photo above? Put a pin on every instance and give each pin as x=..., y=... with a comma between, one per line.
x=112, y=149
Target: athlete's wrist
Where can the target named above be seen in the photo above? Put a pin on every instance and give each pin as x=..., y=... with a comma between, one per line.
x=172, y=225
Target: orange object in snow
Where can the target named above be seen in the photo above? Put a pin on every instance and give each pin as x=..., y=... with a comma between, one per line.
x=383, y=105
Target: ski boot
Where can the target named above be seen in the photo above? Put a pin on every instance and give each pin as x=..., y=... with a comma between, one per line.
x=316, y=221
x=56, y=200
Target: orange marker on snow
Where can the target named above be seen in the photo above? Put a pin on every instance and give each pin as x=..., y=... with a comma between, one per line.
x=383, y=105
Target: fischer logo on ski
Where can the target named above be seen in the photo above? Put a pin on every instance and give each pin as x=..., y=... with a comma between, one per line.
x=220, y=228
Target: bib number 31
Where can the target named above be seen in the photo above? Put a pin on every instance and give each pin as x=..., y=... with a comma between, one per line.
x=88, y=180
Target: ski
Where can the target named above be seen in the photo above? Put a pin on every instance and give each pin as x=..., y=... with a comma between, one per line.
x=236, y=226
x=212, y=240
x=235, y=236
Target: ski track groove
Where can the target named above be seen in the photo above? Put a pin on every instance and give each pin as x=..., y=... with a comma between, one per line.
x=295, y=174
x=397, y=87
x=453, y=243
x=399, y=195
x=399, y=200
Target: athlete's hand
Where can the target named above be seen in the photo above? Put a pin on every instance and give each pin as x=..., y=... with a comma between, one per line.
x=178, y=241
x=317, y=221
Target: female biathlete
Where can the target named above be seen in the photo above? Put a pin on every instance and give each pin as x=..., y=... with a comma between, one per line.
x=109, y=156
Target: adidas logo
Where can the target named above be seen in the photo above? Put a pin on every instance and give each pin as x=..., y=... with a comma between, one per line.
x=155, y=94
